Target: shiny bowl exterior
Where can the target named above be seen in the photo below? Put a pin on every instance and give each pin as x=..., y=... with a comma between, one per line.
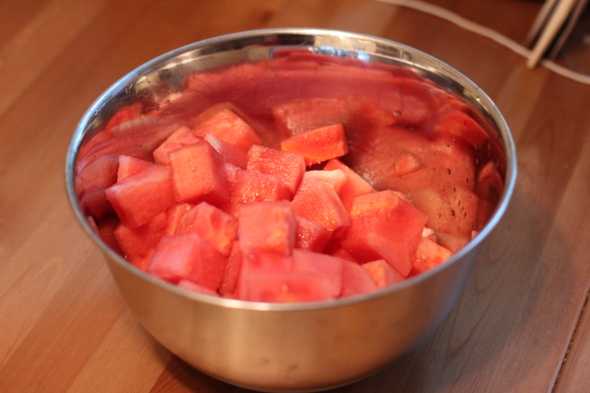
x=289, y=347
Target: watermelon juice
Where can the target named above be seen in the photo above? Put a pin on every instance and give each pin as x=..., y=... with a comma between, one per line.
x=301, y=178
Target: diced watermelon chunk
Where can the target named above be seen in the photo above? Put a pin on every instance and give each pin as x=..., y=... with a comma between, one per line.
x=485, y=210
x=303, y=115
x=306, y=276
x=287, y=167
x=94, y=203
x=142, y=263
x=343, y=254
x=311, y=236
x=231, y=275
x=460, y=125
x=192, y=287
x=138, y=242
x=125, y=114
x=267, y=227
x=211, y=224
x=250, y=186
x=318, y=202
x=325, y=275
x=384, y=226
x=188, y=257
x=142, y=196
x=198, y=174
x=227, y=126
x=175, y=215
x=180, y=138
x=382, y=274
x=230, y=153
x=355, y=280
x=429, y=255
x=318, y=145
x=336, y=178
x=101, y=173
x=129, y=166
x=451, y=241
x=354, y=186
x=262, y=276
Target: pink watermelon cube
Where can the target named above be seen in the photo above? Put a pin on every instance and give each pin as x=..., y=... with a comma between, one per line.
x=354, y=186
x=318, y=145
x=267, y=227
x=129, y=166
x=211, y=224
x=188, y=257
x=288, y=168
x=318, y=202
x=198, y=174
x=229, y=285
x=226, y=125
x=192, y=287
x=382, y=274
x=384, y=226
x=140, y=197
x=311, y=236
x=182, y=137
x=355, y=280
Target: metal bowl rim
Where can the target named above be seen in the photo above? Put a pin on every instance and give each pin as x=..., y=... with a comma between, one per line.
x=119, y=85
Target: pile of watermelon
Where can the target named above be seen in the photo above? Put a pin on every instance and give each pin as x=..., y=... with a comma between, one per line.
x=211, y=203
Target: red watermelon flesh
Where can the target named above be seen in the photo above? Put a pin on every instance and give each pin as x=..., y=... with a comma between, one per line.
x=343, y=254
x=175, y=215
x=355, y=280
x=140, y=197
x=311, y=236
x=262, y=276
x=318, y=202
x=318, y=145
x=354, y=185
x=227, y=126
x=198, y=174
x=211, y=224
x=230, y=153
x=384, y=226
x=250, y=186
x=182, y=137
x=192, y=287
x=188, y=257
x=231, y=275
x=429, y=255
x=267, y=227
x=129, y=166
x=382, y=274
x=336, y=178
x=288, y=168
x=138, y=242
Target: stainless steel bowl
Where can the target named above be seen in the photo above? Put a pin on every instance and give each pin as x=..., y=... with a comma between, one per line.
x=289, y=347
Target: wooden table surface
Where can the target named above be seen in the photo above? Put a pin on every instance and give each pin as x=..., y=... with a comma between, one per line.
x=520, y=326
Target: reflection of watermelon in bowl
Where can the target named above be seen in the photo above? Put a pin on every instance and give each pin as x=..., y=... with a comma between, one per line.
x=290, y=210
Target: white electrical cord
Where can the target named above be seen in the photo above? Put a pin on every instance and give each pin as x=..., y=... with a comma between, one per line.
x=493, y=35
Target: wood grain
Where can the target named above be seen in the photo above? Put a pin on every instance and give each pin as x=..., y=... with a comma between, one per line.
x=63, y=325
